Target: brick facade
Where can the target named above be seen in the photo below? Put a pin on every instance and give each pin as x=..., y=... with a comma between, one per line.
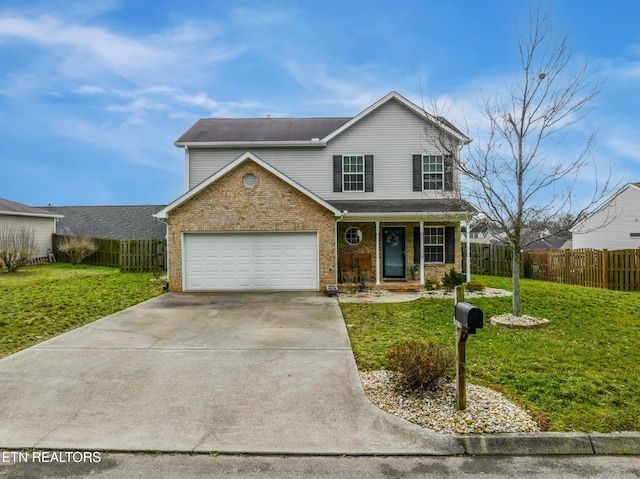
x=270, y=205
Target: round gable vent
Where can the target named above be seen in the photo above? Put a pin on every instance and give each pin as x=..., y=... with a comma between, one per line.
x=249, y=180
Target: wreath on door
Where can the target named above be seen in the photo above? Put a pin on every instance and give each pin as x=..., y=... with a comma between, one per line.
x=392, y=240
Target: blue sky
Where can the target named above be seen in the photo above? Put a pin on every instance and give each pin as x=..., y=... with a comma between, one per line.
x=94, y=94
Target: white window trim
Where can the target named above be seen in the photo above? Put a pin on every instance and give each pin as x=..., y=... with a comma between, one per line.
x=430, y=172
x=344, y=174
x=425, y=244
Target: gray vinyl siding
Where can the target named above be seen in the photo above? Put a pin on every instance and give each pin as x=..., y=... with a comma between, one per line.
x=43, y=228
x=611, y=226
x=392, y=134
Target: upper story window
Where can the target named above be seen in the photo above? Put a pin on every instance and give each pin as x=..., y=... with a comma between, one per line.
x=353, y=173
x=432, y=172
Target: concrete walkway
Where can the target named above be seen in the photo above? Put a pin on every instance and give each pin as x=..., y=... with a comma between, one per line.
x=234, y=373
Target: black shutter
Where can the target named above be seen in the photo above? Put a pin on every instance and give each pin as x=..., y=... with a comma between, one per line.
x=448, y=173
x=417, y=173
x=416, y=245
x=337, y=173
x=368, y=173
x=449, y=244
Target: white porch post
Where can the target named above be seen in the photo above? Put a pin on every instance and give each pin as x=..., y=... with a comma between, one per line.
x=377, y=252
x=422, y=252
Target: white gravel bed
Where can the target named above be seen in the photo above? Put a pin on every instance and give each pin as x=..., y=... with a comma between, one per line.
x=487, y=411
x=485, y=293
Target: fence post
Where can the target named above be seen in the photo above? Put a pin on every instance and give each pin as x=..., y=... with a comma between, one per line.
x=605, y=268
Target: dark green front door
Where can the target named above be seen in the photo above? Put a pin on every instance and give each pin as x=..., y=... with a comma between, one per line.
x=393, y=252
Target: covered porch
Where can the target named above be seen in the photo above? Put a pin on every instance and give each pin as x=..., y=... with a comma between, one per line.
x=399, y=244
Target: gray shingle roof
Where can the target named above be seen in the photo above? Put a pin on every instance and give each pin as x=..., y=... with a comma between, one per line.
x=403, y=206
x=260, y=129
x=115, y=222
x=12, y=207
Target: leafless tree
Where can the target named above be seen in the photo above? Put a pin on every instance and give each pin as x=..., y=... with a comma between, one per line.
x=510, y=173
x=17, y=246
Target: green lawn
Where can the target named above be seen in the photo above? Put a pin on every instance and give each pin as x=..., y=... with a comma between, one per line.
x=40, y=302
x=581, y=371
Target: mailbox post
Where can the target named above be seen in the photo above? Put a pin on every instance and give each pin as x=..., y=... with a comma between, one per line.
x=467, y=319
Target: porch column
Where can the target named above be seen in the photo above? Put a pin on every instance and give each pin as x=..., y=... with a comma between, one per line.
x=422, y=252
x=377, y=252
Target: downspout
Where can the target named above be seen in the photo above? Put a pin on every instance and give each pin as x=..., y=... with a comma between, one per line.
x=343, y=213
x=166, y=260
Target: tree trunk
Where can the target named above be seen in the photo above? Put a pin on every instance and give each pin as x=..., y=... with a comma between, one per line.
x=515, y=279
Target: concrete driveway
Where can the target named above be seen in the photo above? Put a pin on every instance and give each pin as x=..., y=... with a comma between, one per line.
x=237, y=373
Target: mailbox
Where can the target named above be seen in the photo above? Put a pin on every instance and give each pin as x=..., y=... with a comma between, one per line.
x=468, y=317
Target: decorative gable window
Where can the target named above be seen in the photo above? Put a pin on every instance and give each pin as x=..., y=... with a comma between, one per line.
x=432, y=173
x=353, y=173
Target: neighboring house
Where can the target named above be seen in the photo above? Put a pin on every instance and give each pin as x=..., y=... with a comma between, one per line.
x=112, y=222
x=41, y=222
x=297, y=203
x=614, y=225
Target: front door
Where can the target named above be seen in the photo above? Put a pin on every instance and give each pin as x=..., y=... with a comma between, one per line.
x=393, y=252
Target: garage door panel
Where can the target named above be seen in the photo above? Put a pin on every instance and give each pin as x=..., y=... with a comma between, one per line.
x=251, y=261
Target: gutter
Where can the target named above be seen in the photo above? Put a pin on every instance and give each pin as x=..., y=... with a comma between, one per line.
x=313, y=143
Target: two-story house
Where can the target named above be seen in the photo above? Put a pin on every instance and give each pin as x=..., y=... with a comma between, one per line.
x=297, y=203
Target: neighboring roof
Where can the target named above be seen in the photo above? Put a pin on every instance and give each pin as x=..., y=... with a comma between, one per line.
x=12, y=208
x=251, y=132
x=114, y=222
x=427, y=206
x=162, y=214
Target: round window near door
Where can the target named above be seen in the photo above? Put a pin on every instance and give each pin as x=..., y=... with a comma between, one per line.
x=353, y=236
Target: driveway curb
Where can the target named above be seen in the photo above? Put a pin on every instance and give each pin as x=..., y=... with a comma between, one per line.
x=551, y=443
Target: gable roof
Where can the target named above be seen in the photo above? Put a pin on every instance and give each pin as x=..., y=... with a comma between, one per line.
x=13, y=208
x=113, y=222
x=162, y=214
x=252, y=132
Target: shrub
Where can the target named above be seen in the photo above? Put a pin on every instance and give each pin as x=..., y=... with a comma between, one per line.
x=77, y=248
x=475, y=285
x=432, y=284
x=420, y=364
x=452, y=279
x=17, y=246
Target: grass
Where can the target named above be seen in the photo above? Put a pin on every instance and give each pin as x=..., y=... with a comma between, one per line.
x=40, y=302
x=580, y=372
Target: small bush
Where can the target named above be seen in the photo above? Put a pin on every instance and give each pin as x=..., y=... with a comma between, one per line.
x=17, y=246
x=420, y=364
x=474, y=285
x=452, y=279
x=77, y=248
x=432, y=284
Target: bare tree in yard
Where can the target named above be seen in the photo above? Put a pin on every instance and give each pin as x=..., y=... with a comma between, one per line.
x=17, y=246
x=514, y=181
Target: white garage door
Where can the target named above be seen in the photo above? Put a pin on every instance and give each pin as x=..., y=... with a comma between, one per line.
x=251, y=261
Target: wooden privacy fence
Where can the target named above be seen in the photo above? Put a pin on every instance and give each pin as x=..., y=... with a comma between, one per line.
x=619, y=269
x=131, y=256
x=491, y=259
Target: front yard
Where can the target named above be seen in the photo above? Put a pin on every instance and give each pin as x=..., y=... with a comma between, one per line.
x=580, y=371
x=40, y=302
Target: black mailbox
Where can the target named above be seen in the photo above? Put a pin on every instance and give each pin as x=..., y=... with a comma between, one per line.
x=468, y=317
